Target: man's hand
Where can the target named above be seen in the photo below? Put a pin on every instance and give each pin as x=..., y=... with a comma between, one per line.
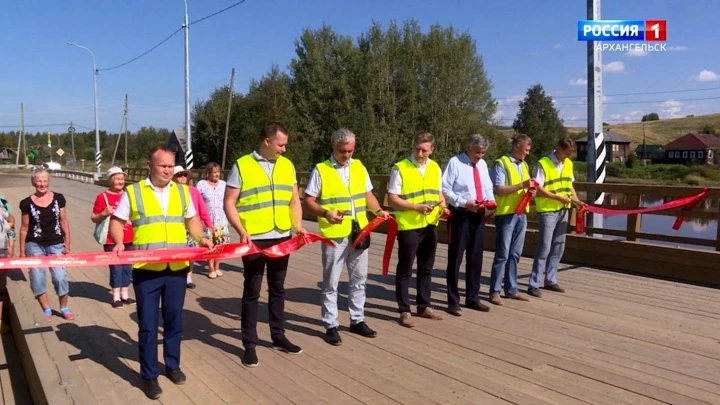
x=383, y=213
x=423, y=208
x=301, y=231
x=532, y=191
x=334, y=216
x=472, y=205
x=119, y=248
x=564, y=199
x=576, y=204
x=205, y=241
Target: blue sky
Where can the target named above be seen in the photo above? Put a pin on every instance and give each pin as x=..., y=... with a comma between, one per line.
x=523, y=42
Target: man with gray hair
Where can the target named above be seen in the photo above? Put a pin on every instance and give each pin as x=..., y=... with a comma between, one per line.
x=339, y=192
x=468, y=189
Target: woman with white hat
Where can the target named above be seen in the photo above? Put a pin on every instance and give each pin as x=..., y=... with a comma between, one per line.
x=105, y=204
x=182, y=175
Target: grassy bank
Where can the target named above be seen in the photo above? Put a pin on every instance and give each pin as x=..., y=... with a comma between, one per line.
x=694, y=175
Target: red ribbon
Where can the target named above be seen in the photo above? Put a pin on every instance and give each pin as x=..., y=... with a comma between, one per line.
x=389, y=240
x=687, y=203
x=227, y=251
x=524, y=201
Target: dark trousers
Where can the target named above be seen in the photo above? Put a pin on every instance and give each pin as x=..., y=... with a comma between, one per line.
x=421, y=243
x=467, y=230
x=152, y=288
x=253, y=270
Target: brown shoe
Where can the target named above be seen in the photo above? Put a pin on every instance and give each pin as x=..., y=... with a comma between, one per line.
x=428, y=313
x=406, y=320
x=516, y=296
x=495, y=299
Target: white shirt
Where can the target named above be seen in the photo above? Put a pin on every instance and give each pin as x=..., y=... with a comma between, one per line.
x=458, y=181
x=314, y=185
x=540, y=173
x=395, y=181
x=234, y=180
x=163, y=197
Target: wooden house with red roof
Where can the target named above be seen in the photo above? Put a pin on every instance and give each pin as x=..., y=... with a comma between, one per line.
x=694, y=147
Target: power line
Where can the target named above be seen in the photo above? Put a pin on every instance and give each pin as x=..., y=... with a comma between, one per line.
x=216, y=13
x=629, y=102
x=643, y=93
x=144, y=53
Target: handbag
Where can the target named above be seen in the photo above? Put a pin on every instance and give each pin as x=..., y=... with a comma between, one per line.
x=355, y=232
x=101, y=228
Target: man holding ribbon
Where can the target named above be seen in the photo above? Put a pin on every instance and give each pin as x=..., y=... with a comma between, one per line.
x=262, y=204
x=414, y=191
x=511, y=181
x=555, y=195
x=160, y=211
x=339, y=192
x=468, y=189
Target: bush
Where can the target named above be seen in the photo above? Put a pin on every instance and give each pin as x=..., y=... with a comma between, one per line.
x=630, y=161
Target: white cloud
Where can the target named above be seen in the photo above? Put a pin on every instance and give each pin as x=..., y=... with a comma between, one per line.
x=670, y=109
x=614, y=67
x=636, y=53
x=706, y=76
x=677, y=48
x=558, y=46
x=578, y=82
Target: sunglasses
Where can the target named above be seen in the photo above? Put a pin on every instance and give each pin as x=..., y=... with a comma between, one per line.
x=181, y=175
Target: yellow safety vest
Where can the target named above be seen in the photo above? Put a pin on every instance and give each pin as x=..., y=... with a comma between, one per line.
x=264, y=203
x=556, y=183
x=506, y=204
x=418, y=189
x=154, y=230
x=335, y=195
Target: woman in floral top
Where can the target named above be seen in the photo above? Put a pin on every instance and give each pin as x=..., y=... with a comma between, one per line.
x=45, y=232
x=212, y=190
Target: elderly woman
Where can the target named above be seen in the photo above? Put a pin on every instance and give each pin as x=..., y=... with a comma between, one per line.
x=212, y=190
x=44, y=231
x=182, y=176
x=105, y=204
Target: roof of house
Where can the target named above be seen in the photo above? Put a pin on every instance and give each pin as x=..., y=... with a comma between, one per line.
x=610, y=137
x=694, y=141
x=179, y=134
x=648, y=149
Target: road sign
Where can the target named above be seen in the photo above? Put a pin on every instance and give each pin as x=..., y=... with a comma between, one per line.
x=32, y=154
x=60, y=152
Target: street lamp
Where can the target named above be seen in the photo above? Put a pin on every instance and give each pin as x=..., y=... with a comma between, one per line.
x=188, y=141
x=98, y=156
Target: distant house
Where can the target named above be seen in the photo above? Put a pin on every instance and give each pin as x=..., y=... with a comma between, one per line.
x=653, y=152
x=617, y=147
x=176, y=143
x=692, y=147
x=7, y=155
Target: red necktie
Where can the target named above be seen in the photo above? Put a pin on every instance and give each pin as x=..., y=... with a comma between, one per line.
x=478, y=183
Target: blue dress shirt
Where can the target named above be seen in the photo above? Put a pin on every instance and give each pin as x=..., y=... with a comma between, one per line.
x=458, y=181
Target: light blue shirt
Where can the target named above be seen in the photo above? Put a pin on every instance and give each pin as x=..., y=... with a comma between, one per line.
x=458, y=181
x=498, y=172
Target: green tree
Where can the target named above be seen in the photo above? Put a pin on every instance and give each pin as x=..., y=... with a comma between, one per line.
x=650, y=117
x=539, y=119
x=707, y=129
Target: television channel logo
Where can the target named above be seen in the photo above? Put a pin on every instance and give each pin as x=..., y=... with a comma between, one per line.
x=622, y=30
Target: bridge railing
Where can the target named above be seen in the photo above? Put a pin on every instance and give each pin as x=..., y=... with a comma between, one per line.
x=618, y=196
x=85, y=177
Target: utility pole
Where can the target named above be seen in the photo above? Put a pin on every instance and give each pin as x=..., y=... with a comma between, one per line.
x=71, y=130
x=188, y=140
x=596, y=141
x=644, y=154
x=21, y=136
x=126, y=128
x=227, y=122
x=122, y=125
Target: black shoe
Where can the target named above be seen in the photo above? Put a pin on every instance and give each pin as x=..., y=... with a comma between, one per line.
x=363, y=330
x=535, y=292
x=129, y=301
x=454, y=310
x=152, y=389
x=117, y=304
x=333, y=337
x=250, y=359
x=190, y=285
x=284, y=345
x=478, y=306
x=176, y=376
x=554, y=287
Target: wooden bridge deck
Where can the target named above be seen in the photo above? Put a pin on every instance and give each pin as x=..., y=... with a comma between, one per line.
x=611, y=339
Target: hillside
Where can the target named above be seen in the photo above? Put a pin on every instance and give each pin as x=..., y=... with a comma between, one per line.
x=656, y=132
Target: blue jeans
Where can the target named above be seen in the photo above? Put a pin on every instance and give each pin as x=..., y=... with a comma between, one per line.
x=550, y=248
x=120, y=274
x=356, y=261
x=509, y=241
x=38, y=280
